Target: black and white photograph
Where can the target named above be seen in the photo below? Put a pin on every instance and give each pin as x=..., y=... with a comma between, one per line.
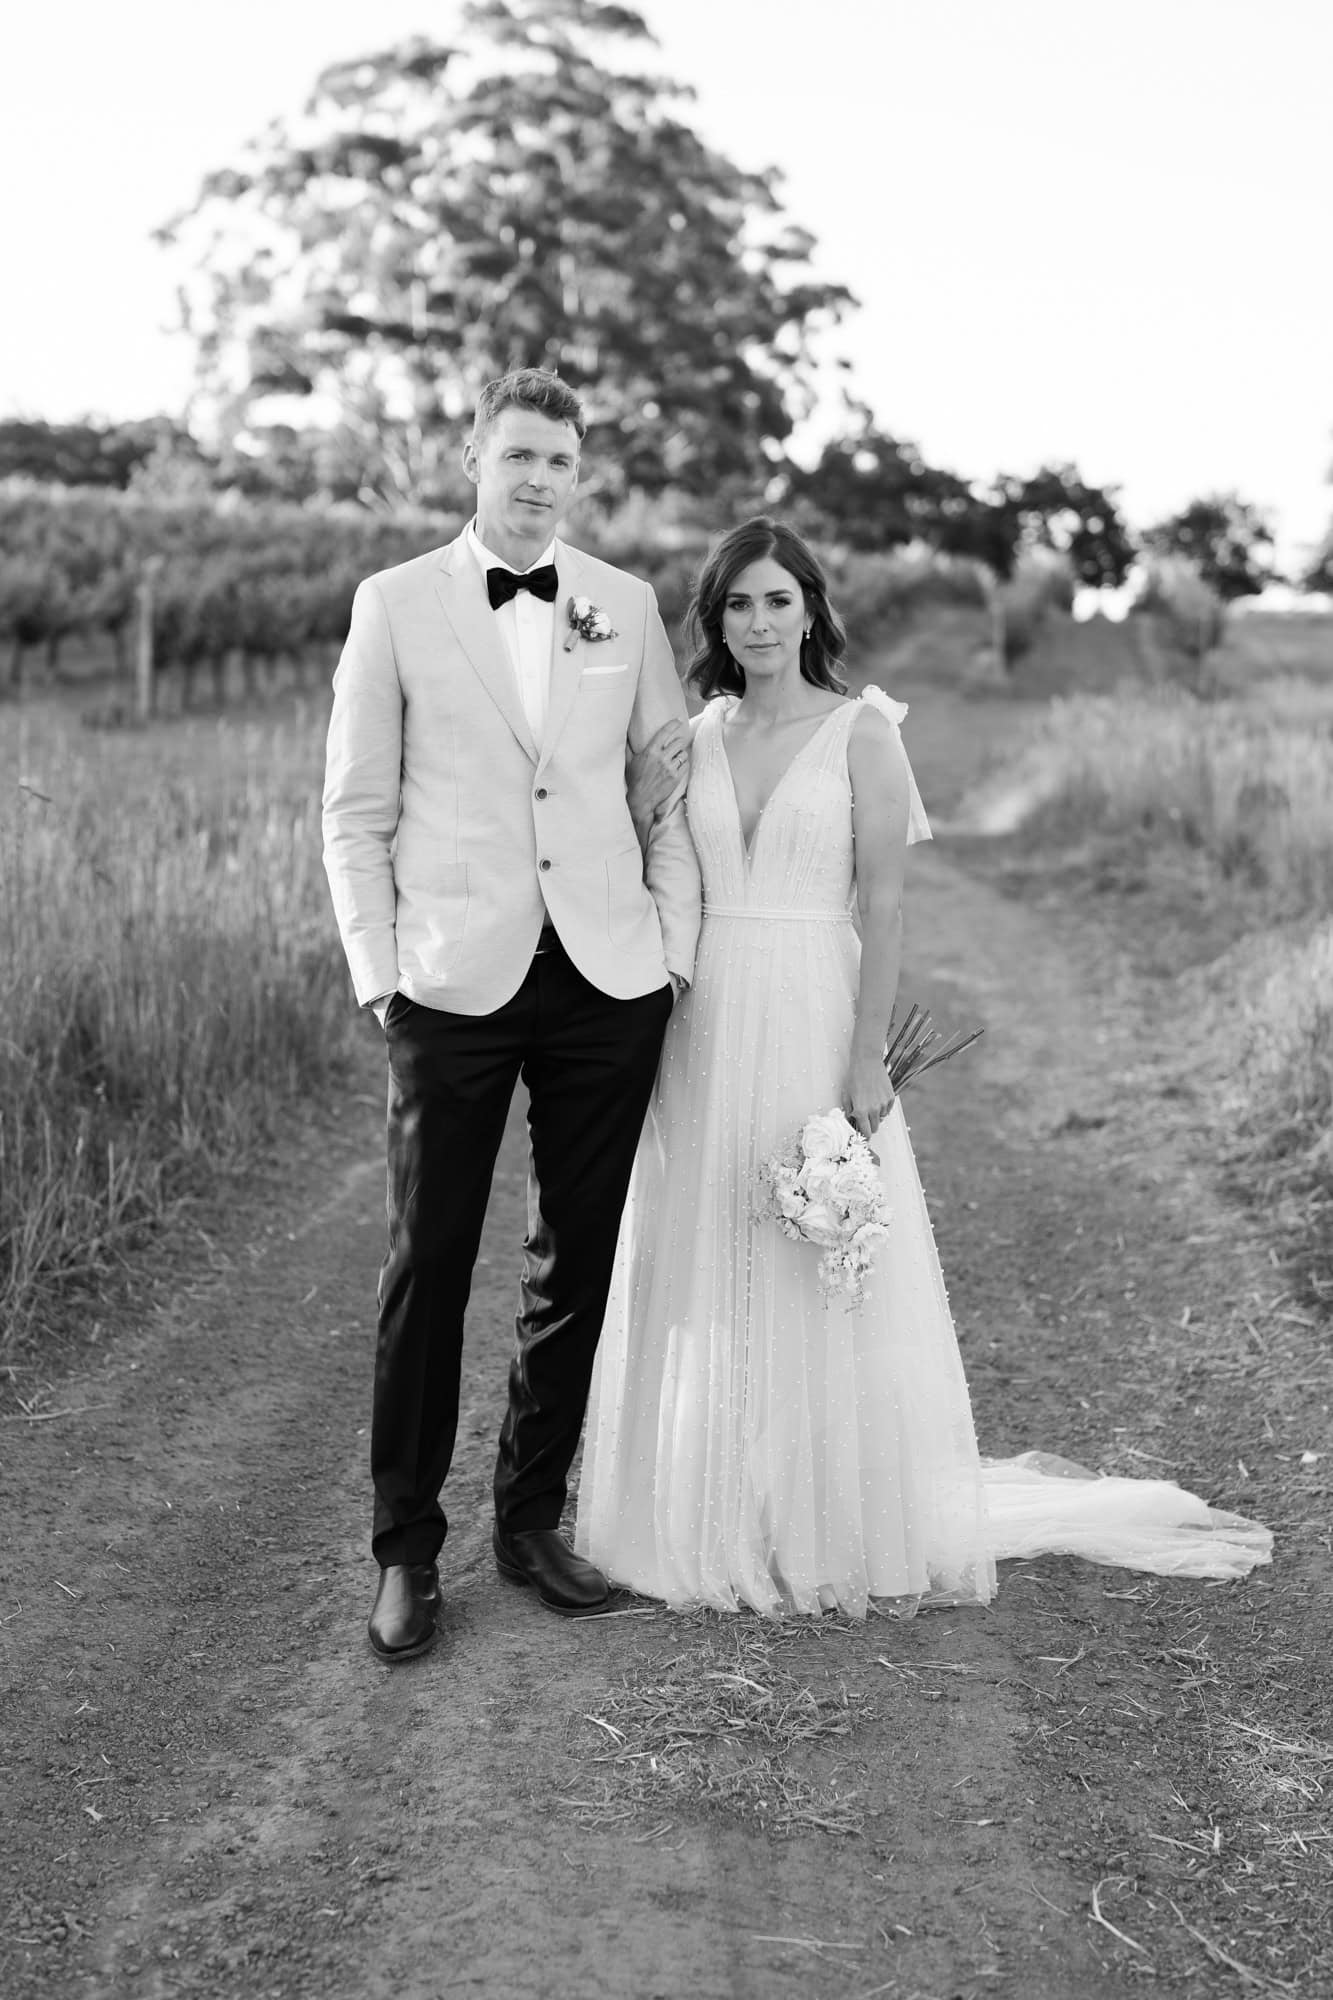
x=666, y=943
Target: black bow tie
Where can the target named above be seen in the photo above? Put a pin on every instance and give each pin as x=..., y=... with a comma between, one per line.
x=504, y=584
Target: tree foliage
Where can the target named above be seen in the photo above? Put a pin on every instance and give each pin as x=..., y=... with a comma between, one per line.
x=876, y=492
x=1055, y=508
x=1228, y=541
x=445, y=212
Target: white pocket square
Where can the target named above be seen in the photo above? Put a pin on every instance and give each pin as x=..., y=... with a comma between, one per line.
x=622, y=668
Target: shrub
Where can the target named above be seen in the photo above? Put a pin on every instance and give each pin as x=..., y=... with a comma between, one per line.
x=884, y=593
x=1042, y=581
x=1173, y=589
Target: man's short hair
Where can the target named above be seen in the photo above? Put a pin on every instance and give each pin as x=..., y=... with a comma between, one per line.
x=534, y=389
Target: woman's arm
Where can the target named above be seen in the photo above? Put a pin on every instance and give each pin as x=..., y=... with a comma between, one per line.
x=878, y=773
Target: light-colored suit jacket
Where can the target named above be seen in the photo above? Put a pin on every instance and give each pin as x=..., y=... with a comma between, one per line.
x=450, y=835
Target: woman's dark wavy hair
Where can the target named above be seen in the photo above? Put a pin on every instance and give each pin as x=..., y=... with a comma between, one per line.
x=712, y=670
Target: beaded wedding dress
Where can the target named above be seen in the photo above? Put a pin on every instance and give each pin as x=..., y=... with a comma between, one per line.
x=748, y=1440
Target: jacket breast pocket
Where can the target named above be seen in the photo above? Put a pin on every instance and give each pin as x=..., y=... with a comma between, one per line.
x=593, y=679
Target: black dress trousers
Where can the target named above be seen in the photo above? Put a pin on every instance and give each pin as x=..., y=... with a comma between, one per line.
x=588, y=1062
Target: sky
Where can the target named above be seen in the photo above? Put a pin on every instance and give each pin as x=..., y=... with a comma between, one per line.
x=1078, y=231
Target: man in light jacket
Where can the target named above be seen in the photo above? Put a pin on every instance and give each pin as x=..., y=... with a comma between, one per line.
x=500, y=916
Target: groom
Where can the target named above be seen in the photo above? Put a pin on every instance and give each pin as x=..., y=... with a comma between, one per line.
x=500, y=917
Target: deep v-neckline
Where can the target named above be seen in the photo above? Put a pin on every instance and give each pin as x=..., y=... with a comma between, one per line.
x=748, y=846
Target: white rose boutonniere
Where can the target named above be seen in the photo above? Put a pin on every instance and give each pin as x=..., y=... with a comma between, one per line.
x=587, y=621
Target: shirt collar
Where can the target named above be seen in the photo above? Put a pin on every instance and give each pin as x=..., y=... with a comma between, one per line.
x=488, y=561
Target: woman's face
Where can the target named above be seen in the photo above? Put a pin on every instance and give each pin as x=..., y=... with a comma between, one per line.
x=763, y=620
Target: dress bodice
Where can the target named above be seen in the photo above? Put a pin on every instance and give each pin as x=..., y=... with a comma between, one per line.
x=800, y=857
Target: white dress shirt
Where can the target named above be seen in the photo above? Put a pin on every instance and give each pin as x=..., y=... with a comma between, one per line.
x=527, y=626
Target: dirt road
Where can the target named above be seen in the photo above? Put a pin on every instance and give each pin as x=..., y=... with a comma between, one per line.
x=212, y=1789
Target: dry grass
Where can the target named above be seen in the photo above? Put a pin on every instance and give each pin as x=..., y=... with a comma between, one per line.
x=1263, y=1030
x=1233, y=798
x=1258, y=645
x=1286, y=1778
x=169, y=973
x=1248, y=785
x=1284, y=1092
x=1216, y=1860
x=716, y=1726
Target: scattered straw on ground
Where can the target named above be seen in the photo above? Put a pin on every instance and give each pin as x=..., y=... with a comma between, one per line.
x=717, y=1726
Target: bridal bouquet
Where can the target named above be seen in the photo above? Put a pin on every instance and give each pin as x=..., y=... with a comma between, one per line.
x=824, y=1188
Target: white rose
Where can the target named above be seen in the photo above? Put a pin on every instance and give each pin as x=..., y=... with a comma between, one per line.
x=824, y=1137
x=820, y=1225
x=819, y=1178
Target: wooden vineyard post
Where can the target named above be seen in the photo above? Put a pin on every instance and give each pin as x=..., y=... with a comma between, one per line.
x=144, y=680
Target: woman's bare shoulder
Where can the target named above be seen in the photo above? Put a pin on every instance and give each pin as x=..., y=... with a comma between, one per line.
x=871, y=726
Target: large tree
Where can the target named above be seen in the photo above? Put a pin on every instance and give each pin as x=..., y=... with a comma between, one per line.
x=1228, y=540
x=1056, y=508
x=517, y=197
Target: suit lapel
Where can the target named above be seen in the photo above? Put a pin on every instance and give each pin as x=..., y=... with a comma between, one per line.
x=463, y=599
x=566, y=661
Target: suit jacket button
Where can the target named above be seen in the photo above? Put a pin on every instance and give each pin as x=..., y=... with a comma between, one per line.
x=543, y=864
x=541, y=791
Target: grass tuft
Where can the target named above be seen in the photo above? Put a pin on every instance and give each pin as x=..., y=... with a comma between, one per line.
x=1286, y=1088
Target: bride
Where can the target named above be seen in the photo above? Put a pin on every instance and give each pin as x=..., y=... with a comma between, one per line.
x=751, y=1441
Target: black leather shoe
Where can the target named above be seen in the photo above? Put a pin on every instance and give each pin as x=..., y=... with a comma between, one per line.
x=543, y=1558
x=402, y=1620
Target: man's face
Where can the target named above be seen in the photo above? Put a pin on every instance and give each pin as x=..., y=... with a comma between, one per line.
x=525, y=470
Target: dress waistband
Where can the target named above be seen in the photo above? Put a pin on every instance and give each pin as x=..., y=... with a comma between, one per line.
x=771, y=916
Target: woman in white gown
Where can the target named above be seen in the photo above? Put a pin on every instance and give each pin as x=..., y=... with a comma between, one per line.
x=750, y=1441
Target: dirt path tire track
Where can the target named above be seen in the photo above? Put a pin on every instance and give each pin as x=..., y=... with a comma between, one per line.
x=214, y=1790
